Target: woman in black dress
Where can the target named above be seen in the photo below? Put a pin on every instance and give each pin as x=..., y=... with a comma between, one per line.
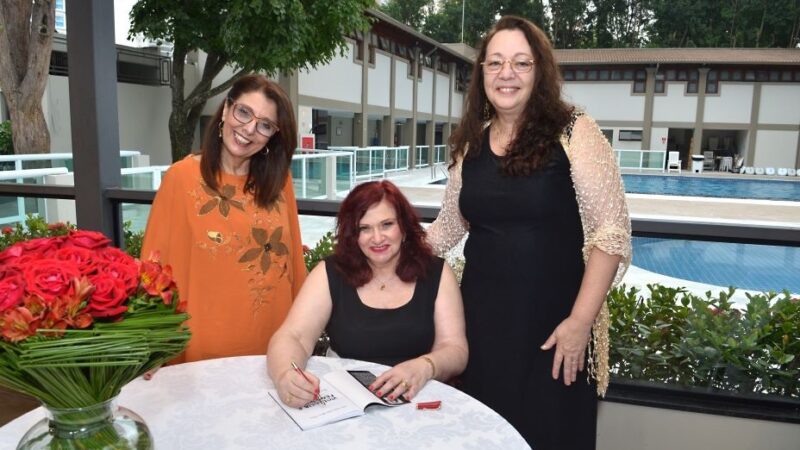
x=382, y=297
x=537, y=187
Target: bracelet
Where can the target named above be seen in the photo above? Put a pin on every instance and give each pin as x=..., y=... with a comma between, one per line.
x=433, y=366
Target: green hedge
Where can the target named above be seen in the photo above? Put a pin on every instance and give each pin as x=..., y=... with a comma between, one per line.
x=673, y=336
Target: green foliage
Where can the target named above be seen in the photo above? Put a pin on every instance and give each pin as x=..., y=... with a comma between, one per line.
x=133, y=240
x=34, y=227
x=268, y=36
x=616, y=23
x=323, y=248
x=6, y=141
x=677, y=337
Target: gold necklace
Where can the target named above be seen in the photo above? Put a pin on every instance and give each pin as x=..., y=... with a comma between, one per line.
x=383, y=282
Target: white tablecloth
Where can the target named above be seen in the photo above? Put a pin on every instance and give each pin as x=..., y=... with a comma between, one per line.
x=223, y=404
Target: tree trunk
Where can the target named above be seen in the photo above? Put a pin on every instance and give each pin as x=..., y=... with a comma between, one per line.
x=26, y=40
x=29, y=129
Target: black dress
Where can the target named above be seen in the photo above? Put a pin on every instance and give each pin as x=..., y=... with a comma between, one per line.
x=522, y=275
x=383, y=336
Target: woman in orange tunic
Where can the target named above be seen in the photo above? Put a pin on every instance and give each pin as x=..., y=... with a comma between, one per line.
x=226, y=221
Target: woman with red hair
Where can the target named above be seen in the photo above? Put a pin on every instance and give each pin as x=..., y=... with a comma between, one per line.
x=382, y=297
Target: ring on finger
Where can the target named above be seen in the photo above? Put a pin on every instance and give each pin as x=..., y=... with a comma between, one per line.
x=404, y=384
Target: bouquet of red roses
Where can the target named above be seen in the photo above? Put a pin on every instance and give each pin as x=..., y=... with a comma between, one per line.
x=79, y=319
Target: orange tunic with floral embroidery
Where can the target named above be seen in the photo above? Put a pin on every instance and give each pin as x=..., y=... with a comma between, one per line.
x=237, y=265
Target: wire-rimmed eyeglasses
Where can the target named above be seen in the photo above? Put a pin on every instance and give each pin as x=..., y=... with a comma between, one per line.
x=245, y=115
x=517, y=65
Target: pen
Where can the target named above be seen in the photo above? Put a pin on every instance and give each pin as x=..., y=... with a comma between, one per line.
x=302, y=374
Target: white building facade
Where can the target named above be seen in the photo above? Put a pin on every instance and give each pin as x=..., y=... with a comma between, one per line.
x=732, y=102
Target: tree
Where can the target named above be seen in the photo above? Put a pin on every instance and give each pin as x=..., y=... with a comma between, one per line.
x=26, y=40
x=250, y=35
x=570, y=23
x=411, y=12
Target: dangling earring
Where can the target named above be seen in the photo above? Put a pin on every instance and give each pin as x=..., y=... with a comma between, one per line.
x=265, y=152
x=220, y=127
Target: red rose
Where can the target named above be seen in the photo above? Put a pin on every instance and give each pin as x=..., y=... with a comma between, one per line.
x=12, y=288
x=83, y=259
x=108, y=297
x=49, y=278
x=41, y=246
x=11, y=253
x=87, y=239
x=113, y=254
x=127, y=274
x=8, y=230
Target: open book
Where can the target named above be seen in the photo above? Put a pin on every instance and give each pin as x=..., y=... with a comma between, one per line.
x=342, y=395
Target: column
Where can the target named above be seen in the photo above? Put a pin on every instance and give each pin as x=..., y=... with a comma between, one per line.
x=697, y=137
x=650, y=90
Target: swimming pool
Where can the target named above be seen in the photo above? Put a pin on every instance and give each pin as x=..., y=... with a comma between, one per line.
x=745, y=266
x=713, y=187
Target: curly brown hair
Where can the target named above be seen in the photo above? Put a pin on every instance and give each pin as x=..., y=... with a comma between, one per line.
x=545, y=116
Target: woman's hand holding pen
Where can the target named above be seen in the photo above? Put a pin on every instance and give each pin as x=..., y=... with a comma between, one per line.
x=297, y=387
x=406, y=379
x=570, y=338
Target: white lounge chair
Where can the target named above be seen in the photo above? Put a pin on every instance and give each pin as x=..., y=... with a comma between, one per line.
x=792, y=172
x=759, y=171
x=783, y=171
x=749, y=170
x=674, y=162
x=708, y=160
x=769, y=171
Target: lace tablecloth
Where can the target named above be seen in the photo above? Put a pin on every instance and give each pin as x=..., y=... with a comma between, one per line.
x=223, y=404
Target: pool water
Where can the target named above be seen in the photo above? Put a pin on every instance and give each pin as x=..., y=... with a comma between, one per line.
x=788, y=189
x=744, y=266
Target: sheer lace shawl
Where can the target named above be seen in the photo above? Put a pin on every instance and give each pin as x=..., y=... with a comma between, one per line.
x=603, y=210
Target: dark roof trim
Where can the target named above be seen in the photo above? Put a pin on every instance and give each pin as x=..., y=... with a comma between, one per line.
x=703, y=56
x=416, y=34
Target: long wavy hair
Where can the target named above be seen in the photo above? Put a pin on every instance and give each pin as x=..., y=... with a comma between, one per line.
x=545, y=115
x=415, y=253
x=267, y=173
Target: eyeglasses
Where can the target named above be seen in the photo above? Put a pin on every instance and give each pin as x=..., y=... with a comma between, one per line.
x=517, y=65
x=264, y=127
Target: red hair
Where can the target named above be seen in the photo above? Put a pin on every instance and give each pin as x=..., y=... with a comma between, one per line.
x=415, y=253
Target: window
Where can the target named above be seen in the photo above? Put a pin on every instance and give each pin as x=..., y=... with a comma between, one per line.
x=712, y=88
x=580, y=75
x=691, y=87
x=672, y=75
x=725, y=75
x=592, y=75
x=630, y=135
x=737, y=75
x=786, y=76
x=660, y=87
x=627, y=75
x=638, y=87
x=569, y=75
x=606, y=75
x=616, y=75
x=609, y=134
x=641, y=75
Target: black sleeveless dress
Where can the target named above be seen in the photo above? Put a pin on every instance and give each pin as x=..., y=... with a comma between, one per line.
x=383, y=336
x=522, y=274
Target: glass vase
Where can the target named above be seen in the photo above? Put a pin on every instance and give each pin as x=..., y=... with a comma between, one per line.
x=101, y=426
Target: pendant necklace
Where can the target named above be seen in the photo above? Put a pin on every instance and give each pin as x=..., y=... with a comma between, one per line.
x=383, y=282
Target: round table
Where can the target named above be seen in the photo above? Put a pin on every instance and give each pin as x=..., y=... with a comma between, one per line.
x=223, y=404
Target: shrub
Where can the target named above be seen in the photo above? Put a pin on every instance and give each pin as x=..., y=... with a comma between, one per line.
x=6, y=142
x=322, y=249
x=677, y=337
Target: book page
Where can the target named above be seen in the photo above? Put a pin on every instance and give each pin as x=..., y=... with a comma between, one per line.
x=356, y=391
x=332, y=406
